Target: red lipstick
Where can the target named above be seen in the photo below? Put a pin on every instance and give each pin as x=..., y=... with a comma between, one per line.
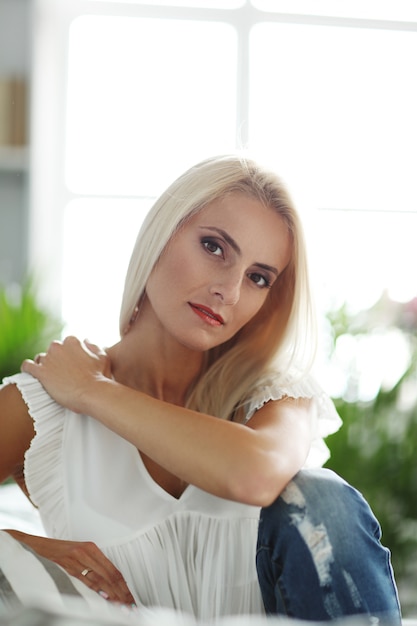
x=206, y=314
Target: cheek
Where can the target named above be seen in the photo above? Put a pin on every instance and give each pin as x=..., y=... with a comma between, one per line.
x=173, y=274
x=252, y=308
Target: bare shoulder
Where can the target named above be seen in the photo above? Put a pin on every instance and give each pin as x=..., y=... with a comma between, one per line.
x=16, y=432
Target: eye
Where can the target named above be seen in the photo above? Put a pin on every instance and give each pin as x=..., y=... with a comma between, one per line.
x=212, y=246
x=260, y=280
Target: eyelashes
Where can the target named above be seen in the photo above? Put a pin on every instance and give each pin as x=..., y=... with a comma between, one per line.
x=213, y=247
x=265, y=282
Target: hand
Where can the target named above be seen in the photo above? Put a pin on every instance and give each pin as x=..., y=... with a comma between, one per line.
x=85, y=561
x=68, y=370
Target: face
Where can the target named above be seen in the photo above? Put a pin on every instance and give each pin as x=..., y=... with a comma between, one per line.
x=216, y=271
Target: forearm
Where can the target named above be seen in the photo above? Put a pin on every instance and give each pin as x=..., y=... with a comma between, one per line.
x=34, y=542
x=224, y=458
x=80, y=558
x=250, y=464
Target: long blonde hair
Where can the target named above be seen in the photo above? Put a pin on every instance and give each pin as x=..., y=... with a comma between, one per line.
x=282, y=333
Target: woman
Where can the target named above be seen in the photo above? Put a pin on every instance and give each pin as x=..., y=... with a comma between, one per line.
x=179, y=455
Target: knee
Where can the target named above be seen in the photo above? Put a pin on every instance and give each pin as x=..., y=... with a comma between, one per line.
x=320, y=498
x=314, y=488
x=322, y=531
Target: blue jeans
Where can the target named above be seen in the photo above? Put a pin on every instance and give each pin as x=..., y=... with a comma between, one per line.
x=319, y=555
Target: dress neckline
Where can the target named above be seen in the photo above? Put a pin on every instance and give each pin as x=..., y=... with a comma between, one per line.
x=156, y=487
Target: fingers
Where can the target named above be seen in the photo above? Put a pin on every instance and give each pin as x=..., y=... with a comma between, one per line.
x=29, y=366
x=71, y=343
x=94, y=348
x=68, y=370
x=110, y=585
x=85, y=561
x=97, y=572
x=102, y=355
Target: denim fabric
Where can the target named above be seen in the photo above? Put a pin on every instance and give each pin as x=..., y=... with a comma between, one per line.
x=319, y=555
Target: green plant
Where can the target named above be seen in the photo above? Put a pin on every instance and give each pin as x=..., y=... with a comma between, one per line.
x=26, y=327
x=376, y=448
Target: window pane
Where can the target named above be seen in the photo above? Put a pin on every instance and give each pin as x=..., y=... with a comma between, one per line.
x=356, y=256
x=339, y=113
x=146, y=98
x=99, y=236
x=400, y=10
x=333, y=110
x=204, y=4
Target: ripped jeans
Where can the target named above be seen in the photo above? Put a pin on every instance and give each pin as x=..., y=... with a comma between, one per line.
x=319, y=556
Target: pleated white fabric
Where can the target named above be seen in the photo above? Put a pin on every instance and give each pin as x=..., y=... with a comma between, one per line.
x=195, y=554
x=326, y=420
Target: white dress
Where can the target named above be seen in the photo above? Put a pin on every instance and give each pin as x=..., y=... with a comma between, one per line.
x=196, y=553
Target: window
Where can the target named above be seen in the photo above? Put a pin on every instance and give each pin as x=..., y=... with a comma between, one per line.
x=128, y=94
x=161, y=97
x=333, y=112
x=401, y=10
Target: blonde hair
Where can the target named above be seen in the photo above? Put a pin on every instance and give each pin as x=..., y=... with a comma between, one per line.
x=282, y=333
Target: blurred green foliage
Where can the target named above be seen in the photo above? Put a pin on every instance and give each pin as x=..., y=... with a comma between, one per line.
x=26, y=327
x=376, y=449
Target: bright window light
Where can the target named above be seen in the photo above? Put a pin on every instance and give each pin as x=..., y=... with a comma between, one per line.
x=400, y=10
x=201, y=4
x=357, y=256
x=149, y=98
x=333, y=110
x=99, y=235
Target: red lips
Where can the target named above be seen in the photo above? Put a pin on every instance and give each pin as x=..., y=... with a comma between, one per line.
x=207, y=314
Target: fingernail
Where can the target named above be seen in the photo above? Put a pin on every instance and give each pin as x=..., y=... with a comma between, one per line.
x=103, y=594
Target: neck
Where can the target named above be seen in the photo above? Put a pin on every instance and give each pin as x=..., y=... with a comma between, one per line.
x=146, y=362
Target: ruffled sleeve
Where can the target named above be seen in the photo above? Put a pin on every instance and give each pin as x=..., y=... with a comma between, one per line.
x=43, y=460
x=326, y=418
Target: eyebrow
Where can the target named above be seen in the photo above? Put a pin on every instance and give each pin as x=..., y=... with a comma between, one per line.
x=232, y=243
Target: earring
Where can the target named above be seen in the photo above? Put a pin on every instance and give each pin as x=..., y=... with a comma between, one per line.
x=134, y=315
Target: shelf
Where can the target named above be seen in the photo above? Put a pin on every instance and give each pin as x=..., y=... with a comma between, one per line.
x=14, y=159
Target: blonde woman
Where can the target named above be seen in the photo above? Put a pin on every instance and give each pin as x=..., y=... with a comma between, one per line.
x=181, y=467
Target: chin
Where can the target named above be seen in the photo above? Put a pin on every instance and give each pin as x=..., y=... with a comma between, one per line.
x=198, y=347
x=202, y=344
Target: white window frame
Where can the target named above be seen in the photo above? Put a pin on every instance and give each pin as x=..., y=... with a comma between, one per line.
x=51, y=22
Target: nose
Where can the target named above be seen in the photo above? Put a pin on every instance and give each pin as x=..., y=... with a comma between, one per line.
x=228, y=290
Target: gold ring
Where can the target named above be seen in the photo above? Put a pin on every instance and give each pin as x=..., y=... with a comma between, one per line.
x=86, y=571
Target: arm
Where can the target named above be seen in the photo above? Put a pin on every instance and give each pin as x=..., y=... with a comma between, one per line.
x=250, y=464
x=77, y=556
x=16, y=434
